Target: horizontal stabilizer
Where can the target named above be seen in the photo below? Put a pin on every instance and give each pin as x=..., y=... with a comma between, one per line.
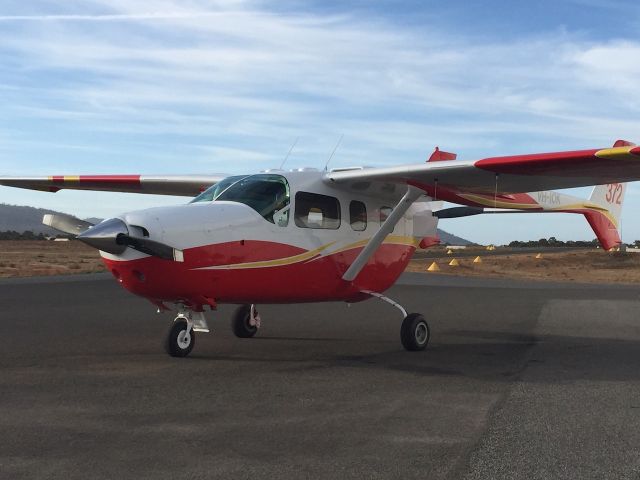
x=457, y=212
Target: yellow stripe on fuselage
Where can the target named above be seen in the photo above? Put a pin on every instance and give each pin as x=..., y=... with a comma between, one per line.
x=312, y=255
x=278, y=262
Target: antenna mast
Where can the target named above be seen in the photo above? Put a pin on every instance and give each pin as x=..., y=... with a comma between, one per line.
x=289, y=153
x=334, y=151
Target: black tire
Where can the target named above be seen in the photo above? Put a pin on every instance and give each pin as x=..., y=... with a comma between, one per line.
x=240, y=322
x=175, y=343
x=415, y=333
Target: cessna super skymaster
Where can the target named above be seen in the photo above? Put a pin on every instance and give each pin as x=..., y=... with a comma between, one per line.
x=308, y=236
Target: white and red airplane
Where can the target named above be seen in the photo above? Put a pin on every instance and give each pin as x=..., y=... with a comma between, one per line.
x=309, y=236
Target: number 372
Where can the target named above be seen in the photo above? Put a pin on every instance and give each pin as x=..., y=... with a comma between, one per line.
x=614, y=193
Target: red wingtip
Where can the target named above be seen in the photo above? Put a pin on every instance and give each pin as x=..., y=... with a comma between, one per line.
x=635, y=151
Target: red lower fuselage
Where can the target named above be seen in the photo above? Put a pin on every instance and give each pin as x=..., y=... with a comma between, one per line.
x=252, y=271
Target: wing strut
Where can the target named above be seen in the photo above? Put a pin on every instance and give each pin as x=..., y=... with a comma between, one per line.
x=413, y=193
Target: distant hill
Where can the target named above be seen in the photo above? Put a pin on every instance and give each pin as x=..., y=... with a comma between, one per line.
x=21, y=219
x=449, y=239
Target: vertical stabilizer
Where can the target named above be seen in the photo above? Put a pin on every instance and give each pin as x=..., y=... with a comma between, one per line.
x=605, y=219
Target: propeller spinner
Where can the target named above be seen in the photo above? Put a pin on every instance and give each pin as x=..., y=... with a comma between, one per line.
x=111, y=236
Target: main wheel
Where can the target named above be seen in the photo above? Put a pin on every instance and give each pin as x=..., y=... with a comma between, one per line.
x=241, y=322
x=180, y=339
x=414, y=332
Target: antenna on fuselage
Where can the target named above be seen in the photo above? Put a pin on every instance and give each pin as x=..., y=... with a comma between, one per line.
x=334, y=151
x=289, y=153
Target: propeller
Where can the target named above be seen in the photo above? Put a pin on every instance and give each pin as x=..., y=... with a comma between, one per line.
x=111, y=236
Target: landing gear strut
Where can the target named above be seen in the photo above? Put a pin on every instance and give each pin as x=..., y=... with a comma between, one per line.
x=414, y=332
x=245, y=321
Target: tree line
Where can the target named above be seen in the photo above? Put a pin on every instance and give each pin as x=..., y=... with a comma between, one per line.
x=28, y=235
x=554, y=242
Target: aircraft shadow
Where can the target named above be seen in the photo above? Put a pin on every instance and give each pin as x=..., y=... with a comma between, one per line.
x=484, y=355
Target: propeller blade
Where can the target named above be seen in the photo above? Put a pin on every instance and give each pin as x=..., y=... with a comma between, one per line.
x=151, y=247
x=66, y=223
x=457, y=212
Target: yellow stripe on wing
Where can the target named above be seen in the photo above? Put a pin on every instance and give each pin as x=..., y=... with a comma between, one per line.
x=617, y=153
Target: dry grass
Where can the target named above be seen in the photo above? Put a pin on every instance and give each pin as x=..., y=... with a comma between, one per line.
x=589, y=265
x=34, y=258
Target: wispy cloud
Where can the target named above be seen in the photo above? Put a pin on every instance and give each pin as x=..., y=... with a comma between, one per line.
x=225, y=86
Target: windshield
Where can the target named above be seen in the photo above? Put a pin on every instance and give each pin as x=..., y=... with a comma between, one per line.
x=214, y=191
x=267, y=194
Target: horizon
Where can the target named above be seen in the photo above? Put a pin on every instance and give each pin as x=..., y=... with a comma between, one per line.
x=108, y=87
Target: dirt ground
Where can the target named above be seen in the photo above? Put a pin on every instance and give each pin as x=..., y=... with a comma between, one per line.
x=28, y=258
x=584, y=265
x=35, y=258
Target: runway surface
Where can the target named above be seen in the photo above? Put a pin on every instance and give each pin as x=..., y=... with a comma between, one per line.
x=521, y=380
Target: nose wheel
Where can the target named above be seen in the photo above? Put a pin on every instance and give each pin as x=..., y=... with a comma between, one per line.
x=180, y=339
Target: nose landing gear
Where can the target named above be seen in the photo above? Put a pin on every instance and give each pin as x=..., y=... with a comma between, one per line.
x=180, y=339
x=181, y=336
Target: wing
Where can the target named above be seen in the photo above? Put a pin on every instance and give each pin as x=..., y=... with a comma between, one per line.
x=514, y=174
x=183, y=185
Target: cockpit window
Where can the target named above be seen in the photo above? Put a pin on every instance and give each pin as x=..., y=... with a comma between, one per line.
x=214, y=191
x=267, y=194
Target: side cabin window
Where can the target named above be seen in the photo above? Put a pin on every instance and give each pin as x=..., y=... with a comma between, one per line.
x=317, y=211
x=267, y=194
x=384, y=214
x=358, y=216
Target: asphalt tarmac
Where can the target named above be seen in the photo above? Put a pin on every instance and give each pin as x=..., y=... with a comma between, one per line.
x=521, y=380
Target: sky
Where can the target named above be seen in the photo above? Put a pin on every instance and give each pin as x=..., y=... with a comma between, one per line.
x=204, y=86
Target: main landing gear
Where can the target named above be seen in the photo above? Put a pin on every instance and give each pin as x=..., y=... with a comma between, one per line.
x=245, y=321
x=414, y=331
x=181, y=337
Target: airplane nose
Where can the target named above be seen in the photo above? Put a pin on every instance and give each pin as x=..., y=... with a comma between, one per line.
x=104, y=236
